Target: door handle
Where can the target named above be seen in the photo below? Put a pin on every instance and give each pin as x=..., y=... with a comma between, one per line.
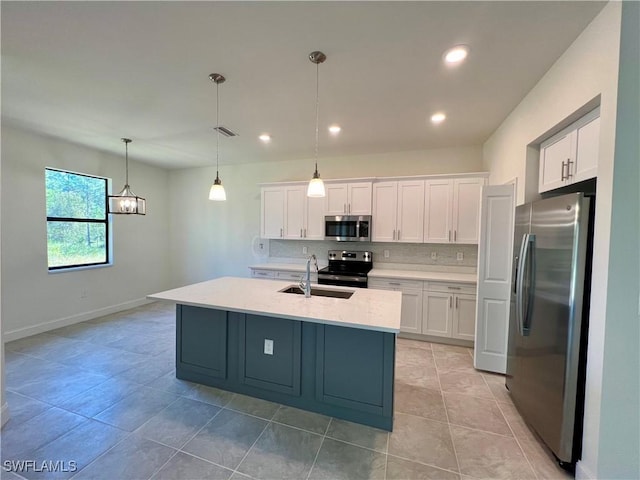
x=522, y=313
x=450, y=301
x=344, y=208
x=562, y=177
x=456, y=303
x=398, y=234
x=569, y=174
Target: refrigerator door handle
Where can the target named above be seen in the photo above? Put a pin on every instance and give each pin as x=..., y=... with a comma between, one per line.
x=527, y=312
x=519, y=282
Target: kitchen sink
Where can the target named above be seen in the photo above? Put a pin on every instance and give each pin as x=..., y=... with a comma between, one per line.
x=318, y=292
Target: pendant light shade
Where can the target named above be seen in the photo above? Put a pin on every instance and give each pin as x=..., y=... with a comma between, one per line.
x=316, y=185
x=126, y=202
x=216, y=192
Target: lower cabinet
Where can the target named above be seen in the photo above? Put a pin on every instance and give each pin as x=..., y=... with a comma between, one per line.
x=342, y=372
x=449, y=310
x=411, y=320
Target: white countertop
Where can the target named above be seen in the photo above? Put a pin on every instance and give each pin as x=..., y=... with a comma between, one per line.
x=424, y=275
x=367, y=309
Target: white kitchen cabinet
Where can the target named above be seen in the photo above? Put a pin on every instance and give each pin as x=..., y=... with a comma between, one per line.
x=294, y=275
x=288, y=213
x=449, y=310
x=272, y=212
x=411, y=316
x=348, y=198
x=260, y=273
x=398, y=211
x=452, y=210
x=571, y=155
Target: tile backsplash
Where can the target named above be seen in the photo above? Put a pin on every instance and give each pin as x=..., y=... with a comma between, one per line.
x=399, y=253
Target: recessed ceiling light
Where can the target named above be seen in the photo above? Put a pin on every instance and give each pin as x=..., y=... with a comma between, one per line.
x=438, y=117
x=455, y=55
x=265, y=137
x=335, y=129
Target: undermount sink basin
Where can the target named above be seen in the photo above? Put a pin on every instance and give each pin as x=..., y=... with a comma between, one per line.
x=318, y=292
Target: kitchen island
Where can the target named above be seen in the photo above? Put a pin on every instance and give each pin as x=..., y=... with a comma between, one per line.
x=333, y=356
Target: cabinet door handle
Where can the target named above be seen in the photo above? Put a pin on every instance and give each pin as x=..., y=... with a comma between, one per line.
x=344, y=208
x=449, y=238
x=280, y=232
x=305, y=233
x=398, y=234
x=300, y=233
x=450, y=301
x=455, y=235
x=456, y=303
x=394, y=234
x=569, y=174
x=562, y=177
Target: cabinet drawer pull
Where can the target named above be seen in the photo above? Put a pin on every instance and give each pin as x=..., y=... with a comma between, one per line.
x=395, y=283
x=569, y=174
x=454, y=288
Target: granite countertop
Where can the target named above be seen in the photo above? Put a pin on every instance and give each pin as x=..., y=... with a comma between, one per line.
x=423, y=275
x=367, y=309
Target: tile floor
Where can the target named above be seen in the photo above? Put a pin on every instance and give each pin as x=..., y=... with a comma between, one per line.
x=101, y=399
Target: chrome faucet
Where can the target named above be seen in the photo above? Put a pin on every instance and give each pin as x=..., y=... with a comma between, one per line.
x=306, y=285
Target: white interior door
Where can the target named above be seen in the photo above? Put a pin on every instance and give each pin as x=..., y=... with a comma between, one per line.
x=494, y=277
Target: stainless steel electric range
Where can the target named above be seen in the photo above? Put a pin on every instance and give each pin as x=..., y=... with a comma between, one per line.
x=346, y=268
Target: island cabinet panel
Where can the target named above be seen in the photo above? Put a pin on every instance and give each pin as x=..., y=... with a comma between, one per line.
x=352, y=368
x=201, y=336
x=279, y=368
x=341, y=372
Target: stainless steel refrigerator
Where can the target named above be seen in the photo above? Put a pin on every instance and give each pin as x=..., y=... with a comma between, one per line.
x=548, y=320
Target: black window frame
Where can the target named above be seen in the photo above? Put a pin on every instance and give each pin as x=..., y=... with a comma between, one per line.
x=106, y=223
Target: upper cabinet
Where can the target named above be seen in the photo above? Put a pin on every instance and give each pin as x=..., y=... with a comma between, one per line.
x=288, y=213
x=398, y=211
x=571, y=155
x=452, y=210
x=348, y=198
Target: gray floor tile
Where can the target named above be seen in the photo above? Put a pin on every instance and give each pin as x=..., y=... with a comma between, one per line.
x=133, y=458
x=82, y=445
x=178, y=422
x=169, y=383
x=310, y=421
x=281, y=452
x=227, y=438
x=183, y=466
x=18, y=439
x=474, y=412
x=133, y=344
x=253, y=406
x=361, y=435
x=135, y=409
x=341, y=461
x=23, y=408
x=400, y=469
x=422, y=440
x=100, y=397
x=150, y=369
x=423, y=402
x=211, y=395
x=105, y=360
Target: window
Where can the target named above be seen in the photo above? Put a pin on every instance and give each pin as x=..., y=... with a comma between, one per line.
x=77, y=221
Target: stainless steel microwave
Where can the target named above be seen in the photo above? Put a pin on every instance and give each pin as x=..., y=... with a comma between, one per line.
x=347, y=228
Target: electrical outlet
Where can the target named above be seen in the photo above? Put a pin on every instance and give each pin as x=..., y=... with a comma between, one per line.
x=305, y=250
x=460, y=256
x=268, y=346
x=262, y=246
x=434, y=255
x=386, y=254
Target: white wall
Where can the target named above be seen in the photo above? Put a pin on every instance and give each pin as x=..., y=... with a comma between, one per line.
x=34, y=300
x=212, y=239
x=619, y=442
x=587, y=69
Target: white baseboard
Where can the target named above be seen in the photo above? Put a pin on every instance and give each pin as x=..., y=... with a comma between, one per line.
x=582, y=473
x=4, y=414
x=63, y=322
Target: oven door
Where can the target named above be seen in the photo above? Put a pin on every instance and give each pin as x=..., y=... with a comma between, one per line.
x=347, y=228
x=342, y=280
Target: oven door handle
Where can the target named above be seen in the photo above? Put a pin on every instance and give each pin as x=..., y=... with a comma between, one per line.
x=342, y=278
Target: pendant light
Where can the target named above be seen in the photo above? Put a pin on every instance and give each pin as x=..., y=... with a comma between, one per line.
x=316, y=185
x=126, y=202
x=217, y=193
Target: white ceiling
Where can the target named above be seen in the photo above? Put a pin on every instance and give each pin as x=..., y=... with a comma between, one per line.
x=92, y=72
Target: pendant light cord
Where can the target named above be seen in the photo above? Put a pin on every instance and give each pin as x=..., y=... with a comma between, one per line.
x=217, y=125
x=126, y=163
x=317, y=110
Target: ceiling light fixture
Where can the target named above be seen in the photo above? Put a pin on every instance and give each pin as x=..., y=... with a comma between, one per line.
x=456, y=55
x=217, y=192
x=126, y=202
x=316, y=185
x=334, y=129
x=438, y=117
x=265, y=137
